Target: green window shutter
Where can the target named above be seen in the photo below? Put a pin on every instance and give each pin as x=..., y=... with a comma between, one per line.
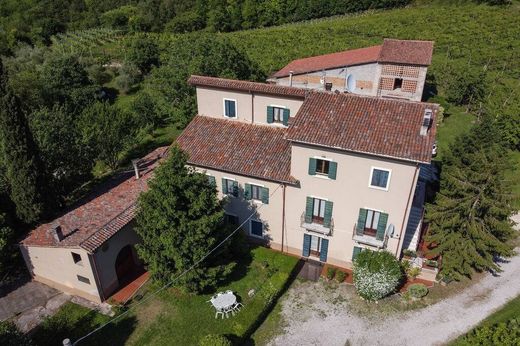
x=357, y=251
x=212, y=180
x=328, y=214
x=312, y=166
x=306, y=245
x=224, y=186
x=324, y=250
x=247, y=191
x=333, y=167
x=265, y=195
x=286, y=115
x=270, y=114
x=308, y=210
x=381, y=226
x=235, y=188
x=362, y=218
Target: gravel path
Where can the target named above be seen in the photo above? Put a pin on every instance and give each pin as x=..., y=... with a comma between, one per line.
x=315, y=315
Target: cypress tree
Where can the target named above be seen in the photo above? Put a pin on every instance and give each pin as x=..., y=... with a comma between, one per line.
x=470, y=218
x=24, y=169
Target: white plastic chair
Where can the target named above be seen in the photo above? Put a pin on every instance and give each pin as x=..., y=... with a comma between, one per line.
x=219, y=313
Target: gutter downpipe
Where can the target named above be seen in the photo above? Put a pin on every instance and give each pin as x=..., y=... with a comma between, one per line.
x=283, y=214
x=98, y=281
x=410, y=196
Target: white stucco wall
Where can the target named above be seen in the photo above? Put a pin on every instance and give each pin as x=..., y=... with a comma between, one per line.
x=56, y=268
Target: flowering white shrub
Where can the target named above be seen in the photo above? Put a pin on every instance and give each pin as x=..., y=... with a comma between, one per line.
x=376, y=274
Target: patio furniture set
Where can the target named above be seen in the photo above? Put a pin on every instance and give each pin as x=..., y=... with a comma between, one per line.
x=225, y=304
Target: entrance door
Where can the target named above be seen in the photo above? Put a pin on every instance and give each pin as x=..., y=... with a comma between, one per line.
x=125, y=263
x=315, y=246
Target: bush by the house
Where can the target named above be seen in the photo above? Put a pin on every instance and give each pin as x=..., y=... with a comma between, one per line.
x=504, y=334
x=417, y=290
x=341, y=276
x=330, y=273
x=376, y=274
x=11, y=336
x=431, y=263
x=409, y=253
x=214, y=340
x=413, y=272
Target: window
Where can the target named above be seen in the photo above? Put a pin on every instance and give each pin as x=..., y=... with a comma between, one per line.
x=230, y=219
x=278, y=114
x=372, y=222
x=230, y=108
x=315, y=246
x=83, y=279
x=76, y=257
x=257, y=228
x=211, y=180
x=318, y=210
x=256, y=192
x=322, y=167
x=229, y=187
x=398, y=83
x=379, y=178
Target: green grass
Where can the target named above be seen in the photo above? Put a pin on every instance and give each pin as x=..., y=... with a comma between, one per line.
x=456, y=123
x=177, y=318
x=508, y=312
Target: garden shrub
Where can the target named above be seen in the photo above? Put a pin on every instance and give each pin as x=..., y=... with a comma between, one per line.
x=376, y=274
x=418, y=290
x=413, y=272
x=409, y=253
x=341, y=276
x=331, y=272
x=504, y=334
x=214, y=340
x=11, y=336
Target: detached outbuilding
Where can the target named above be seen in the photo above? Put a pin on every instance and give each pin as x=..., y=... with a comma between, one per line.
x=90, y=250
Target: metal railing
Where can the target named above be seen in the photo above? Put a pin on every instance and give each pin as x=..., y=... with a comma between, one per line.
x=317, y=227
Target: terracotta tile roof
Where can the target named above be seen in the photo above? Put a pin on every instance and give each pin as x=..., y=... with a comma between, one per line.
x=258, y=151
x=407, y=52
x=383, y=127
x=391, y=51
x=328, y=61
x=100, y=215
x=234, y=84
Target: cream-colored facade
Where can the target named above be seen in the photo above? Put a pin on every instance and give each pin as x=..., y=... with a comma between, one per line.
x=250, y=107
x=284, y=227
x=93, y=277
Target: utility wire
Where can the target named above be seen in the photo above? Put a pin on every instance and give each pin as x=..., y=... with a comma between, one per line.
x=153, y=294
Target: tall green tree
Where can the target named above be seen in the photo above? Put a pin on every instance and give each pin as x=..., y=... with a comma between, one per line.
x=470, y=218
x=25, y=172
x=180, y=220
x=143, y=53
x=107, y=130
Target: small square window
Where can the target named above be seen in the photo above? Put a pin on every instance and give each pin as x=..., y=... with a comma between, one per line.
x=76, y=257
x=380, y=178
x=83, y=279
x=230, y=108
x=398, y=83
x=278, y=114
x=230, y=219
x=322, y=166
x=257, y=228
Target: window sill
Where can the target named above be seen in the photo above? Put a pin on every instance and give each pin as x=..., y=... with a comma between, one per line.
x=256, y=236
x=322, y=176
x=378, y=188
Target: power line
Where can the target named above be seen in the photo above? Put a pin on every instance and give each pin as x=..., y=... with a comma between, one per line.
x=153, y=294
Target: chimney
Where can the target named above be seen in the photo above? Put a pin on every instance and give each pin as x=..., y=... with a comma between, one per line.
x=57, y=233
x=427, y=121
x=135, y=163
x=290, y=77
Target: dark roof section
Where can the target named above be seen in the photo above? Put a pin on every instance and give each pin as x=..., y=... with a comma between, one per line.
x=382, y=127
x=240, y=85
x=329, y=61
x=391, y=51
x=258, y=151
x=100, y=215
x=406, y=52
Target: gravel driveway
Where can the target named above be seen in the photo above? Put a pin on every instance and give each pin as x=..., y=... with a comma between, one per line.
x=317, y=315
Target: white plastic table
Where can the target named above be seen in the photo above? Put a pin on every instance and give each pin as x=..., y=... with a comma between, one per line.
x=224, y=301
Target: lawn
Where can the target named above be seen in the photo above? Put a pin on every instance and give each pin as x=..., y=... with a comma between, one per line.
x=177, y=318
x=508, y=312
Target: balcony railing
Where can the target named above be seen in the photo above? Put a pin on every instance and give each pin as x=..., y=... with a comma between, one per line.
x=317, y=226
x=369, y=238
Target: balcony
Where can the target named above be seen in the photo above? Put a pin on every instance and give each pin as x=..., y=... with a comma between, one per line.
x=369, y=238
x=317, y=225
